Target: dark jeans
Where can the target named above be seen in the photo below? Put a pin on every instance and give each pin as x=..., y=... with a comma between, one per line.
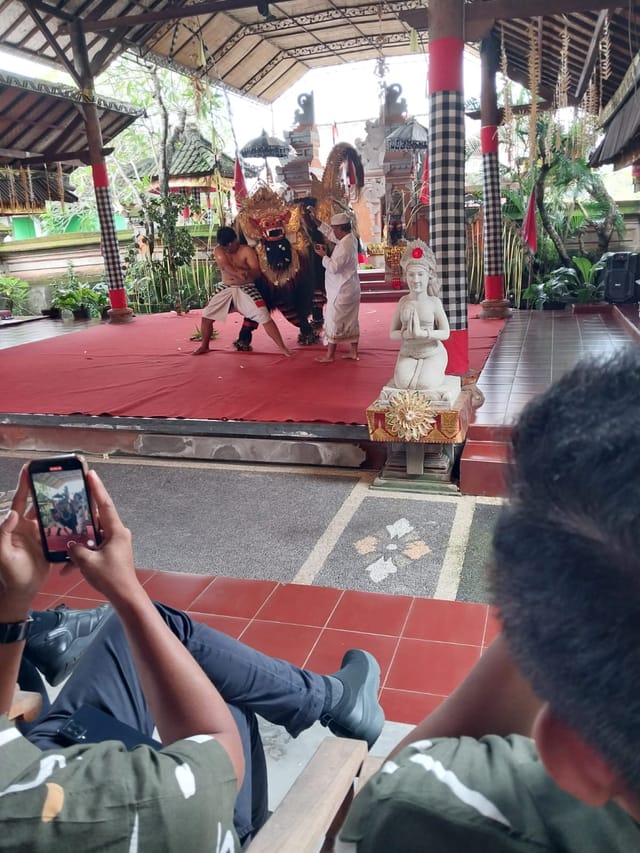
x=250, y=683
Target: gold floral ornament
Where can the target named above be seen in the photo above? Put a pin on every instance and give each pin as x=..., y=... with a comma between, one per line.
x=410, y=415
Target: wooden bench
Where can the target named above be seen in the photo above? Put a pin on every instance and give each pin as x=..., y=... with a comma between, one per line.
x=312, y=812
x=26, y=705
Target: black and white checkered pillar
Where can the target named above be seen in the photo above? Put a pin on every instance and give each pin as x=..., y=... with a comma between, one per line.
x=446, y=184
x=493, y=259
x=109, y=241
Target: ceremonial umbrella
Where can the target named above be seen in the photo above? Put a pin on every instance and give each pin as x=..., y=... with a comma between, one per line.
x=410, y=136
x=264, y=146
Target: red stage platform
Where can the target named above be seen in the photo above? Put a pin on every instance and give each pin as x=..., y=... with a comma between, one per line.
x=145, y=370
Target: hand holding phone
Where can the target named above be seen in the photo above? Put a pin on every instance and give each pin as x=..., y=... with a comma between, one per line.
x=62, y=505
x=23, y=566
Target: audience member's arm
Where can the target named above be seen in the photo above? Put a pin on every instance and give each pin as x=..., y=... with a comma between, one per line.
x=23, y=571
x=182, y=700
x=493, y=699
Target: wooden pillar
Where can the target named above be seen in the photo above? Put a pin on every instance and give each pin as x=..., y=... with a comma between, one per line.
x=494, y=304
x=446, y=170
x=119, y=311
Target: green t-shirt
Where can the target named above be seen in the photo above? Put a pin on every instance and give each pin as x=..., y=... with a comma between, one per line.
x=478, y=796
x=102, y=797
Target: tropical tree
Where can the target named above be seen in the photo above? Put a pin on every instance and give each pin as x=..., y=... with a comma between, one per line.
x=571, y=198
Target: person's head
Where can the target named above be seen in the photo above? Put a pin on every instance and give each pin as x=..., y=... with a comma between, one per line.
x=419, y=268
x=341, y=225
x=228, y=239
x=566, y=575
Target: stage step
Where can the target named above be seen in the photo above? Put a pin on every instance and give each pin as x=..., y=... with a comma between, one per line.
x=483, y=468
x=375, y=288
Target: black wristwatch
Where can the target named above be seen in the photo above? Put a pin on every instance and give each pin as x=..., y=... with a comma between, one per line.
x=15, y=632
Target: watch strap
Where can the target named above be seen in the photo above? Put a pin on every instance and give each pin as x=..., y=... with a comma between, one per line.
x=15, y=632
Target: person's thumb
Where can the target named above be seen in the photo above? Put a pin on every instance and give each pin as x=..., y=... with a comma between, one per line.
x=81, y=556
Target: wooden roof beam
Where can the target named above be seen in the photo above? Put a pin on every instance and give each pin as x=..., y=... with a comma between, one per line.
x=480, y=17
x=592, y=55
x=169, y=13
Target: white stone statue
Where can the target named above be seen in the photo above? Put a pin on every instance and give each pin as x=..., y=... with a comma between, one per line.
x=420, y=322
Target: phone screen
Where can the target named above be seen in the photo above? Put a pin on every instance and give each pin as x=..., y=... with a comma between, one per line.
x=62, y=505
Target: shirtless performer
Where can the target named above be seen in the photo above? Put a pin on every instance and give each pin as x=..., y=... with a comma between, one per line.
x=239, y=269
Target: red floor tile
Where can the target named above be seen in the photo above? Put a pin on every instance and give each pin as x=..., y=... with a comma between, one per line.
x=446, y=621
x=290, y=642
x=300, y=605
x=145, y=575
x=178, y=589
x=331, y=646
x=234, y=597
x=58, y=584
x=372, y=613
x=231, y=625
x=403, y=706
x=83, y=589
x=493, y=627
x=45, y=601
x=76, y=603
x=427, y=667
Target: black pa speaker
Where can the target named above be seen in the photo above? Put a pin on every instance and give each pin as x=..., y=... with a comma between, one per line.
x=620, y=274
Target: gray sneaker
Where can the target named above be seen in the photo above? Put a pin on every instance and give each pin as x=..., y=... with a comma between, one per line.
x=55, y=652
x=358, y=713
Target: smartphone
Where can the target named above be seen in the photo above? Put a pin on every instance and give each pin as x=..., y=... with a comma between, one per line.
x=62, y=504
x=91, y=725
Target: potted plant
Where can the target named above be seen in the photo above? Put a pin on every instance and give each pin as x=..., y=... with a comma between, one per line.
x=581, y=284
x=101, y=303
x=73, y=295
x=14, y=295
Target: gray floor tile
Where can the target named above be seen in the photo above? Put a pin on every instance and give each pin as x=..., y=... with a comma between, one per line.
x=391, y=546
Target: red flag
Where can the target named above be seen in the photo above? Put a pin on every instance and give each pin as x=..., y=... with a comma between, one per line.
x=529, y=229
x=424, y=190
x=239, y=186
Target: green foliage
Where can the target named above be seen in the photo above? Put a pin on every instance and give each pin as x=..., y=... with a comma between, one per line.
x=137, y=155
x=148, y=284
x=73, y=294
x=582, y=283
x=57, y=218
x=16, y=292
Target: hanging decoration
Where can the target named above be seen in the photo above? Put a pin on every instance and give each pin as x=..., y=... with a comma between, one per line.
x=605, y=49
x=32, y=199
x=414, y=44
x=60, y=177
x=534, y=83
x=25, y=189
x=564, y=78
x=13, y=197
x=507, y=107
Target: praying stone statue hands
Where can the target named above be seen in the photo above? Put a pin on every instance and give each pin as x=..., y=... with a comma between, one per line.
x=421, y=324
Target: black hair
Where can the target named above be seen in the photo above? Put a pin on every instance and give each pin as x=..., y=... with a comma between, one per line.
x=566, y=554
x=226, y=235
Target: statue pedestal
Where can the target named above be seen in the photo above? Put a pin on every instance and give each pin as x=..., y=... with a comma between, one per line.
x=423, y=437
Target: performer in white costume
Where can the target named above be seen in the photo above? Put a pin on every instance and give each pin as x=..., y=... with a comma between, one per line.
x=342, y=285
